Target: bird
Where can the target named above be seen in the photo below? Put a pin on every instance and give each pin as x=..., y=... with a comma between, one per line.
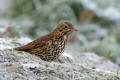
x=50, y=46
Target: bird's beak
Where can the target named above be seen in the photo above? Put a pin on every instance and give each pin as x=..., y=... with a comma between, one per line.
x=75, y=29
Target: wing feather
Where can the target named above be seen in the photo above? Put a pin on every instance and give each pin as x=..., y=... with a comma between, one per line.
x=40, y=42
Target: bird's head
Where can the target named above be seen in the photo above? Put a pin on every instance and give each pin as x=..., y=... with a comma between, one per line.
x=64, y=29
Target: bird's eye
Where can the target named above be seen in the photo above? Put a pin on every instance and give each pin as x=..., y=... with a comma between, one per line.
x=66, y=26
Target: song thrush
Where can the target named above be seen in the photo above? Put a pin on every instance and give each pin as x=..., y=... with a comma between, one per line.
x=50, y=46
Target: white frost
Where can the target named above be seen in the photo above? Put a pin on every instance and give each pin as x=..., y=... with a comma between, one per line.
x=67, y=55
x=32, y=65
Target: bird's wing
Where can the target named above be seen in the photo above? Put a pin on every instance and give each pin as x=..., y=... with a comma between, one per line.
x=40, y=42
x=29, y=46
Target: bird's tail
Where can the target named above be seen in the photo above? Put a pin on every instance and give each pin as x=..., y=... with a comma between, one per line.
x=22, y=48
x=18, y=48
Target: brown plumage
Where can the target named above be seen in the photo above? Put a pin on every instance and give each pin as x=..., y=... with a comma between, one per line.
x=50, y=46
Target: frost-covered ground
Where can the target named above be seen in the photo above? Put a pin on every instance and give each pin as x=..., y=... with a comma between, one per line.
x=18, y=65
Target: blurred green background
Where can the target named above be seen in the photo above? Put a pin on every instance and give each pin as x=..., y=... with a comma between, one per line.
x=97, y=22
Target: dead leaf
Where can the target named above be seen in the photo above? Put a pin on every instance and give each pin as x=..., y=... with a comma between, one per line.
x=8, y=33
x=86, y=15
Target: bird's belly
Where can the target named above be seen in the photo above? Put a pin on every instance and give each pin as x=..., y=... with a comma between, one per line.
x=52, y=55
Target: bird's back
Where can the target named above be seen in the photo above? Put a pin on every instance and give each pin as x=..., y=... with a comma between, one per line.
x=40, y=42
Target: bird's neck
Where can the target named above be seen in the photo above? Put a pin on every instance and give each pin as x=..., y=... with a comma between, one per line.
x=58, y=36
